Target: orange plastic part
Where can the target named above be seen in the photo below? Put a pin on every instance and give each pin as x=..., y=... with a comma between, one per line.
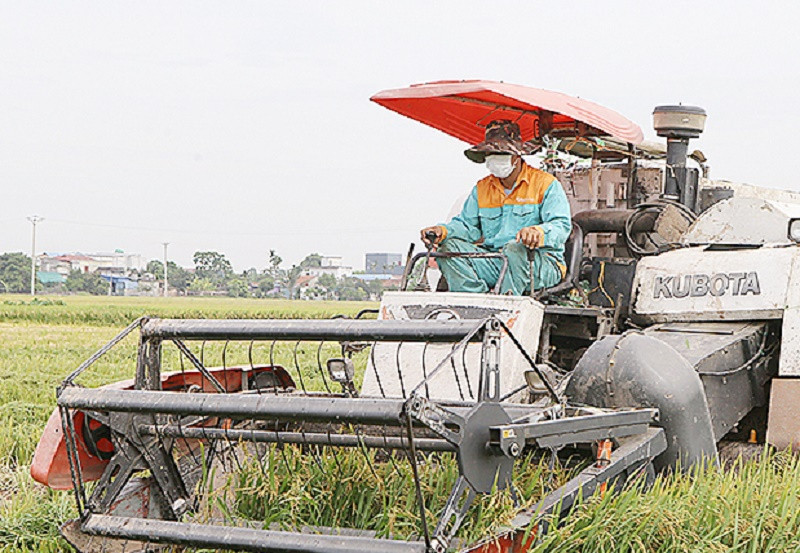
x=50, y=465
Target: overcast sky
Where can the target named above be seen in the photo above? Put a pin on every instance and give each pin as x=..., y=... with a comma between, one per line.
x=246, y=126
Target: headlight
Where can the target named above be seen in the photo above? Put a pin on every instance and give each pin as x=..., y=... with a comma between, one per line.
x=794, y=230
x=341, y=370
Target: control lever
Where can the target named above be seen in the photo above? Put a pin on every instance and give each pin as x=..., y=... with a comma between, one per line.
x=422, y=285
x=531, y=258
x=431, y=236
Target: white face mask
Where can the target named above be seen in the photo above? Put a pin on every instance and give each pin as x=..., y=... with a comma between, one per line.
x=500, y=165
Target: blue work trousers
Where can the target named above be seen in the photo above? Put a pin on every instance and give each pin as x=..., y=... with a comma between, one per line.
x=480, y=275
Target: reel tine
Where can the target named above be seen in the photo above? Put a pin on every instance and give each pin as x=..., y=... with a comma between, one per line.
x=231, y=446
x=187, y=444
x=375, y=368
x=319, y=366
x=425, y=371
x=312, y=449
x=412, y=458
x=68, y=428
x=466, y=374
x=225, y=364
x=333, y=450
x=211, y=452
x=455, y=374
x=223, y=453
x=282, y=447
x=390, y=454
x=363, y=449
x=183, y=369
x=400, y=371
x=250, y=360
x=259, y=456
x=297, y=366
x=272, y=363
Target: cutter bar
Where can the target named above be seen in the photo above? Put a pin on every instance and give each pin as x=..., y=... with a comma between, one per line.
x=242, y=539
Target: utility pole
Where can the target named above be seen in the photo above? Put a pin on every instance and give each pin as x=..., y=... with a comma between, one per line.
x=166, y=281
x=34, y=220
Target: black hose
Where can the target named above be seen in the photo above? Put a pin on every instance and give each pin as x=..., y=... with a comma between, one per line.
x=654, y=207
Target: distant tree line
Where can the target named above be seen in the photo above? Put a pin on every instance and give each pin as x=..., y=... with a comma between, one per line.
x=15, y=277
x=15, y=272
x=212, y=273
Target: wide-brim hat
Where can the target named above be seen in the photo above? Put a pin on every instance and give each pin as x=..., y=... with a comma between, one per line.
x=502, y=137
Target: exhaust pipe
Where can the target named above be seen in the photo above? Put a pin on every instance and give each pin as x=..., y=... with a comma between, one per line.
x=678, y=124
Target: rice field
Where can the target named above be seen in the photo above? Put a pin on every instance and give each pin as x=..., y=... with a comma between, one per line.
x=118, y=312
x=366, y=490
x=753, y=508
x=42, y=341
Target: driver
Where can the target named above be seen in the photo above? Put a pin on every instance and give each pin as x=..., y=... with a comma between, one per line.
x=515, y=208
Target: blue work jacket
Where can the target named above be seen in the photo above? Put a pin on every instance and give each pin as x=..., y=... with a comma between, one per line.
x=537, y=199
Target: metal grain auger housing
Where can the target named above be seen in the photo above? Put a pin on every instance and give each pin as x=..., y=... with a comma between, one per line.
x=686, y=335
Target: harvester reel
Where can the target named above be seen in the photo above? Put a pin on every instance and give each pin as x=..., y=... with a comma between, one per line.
x=160, y=431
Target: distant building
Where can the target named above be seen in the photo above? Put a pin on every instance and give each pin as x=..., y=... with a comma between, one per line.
x=330, y=265
x=66, y=263
x=121, y=286
x=338, y=272
x=304, y=281
x=331, y=261
x=384, y=264
x=50, y=277
x=306, y=286
x=388, y=282
x=117, y=263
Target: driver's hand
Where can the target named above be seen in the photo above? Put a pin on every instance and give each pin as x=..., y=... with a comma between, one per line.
x=437, y=230
x=532, y=237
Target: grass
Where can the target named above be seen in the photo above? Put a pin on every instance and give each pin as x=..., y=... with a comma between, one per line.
x=754, y=507
x=30, y=514
x=365, y=490
x=43, y=341
x=751, y=509
x=120, y=311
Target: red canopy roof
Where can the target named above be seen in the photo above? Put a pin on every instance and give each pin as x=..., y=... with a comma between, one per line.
x=463, y=108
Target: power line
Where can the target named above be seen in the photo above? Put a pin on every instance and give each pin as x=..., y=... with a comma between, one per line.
x=283, y=232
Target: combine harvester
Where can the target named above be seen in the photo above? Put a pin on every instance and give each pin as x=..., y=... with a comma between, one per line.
x=686, y=335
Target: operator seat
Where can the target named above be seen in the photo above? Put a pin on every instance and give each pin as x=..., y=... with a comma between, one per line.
x=573, y=255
